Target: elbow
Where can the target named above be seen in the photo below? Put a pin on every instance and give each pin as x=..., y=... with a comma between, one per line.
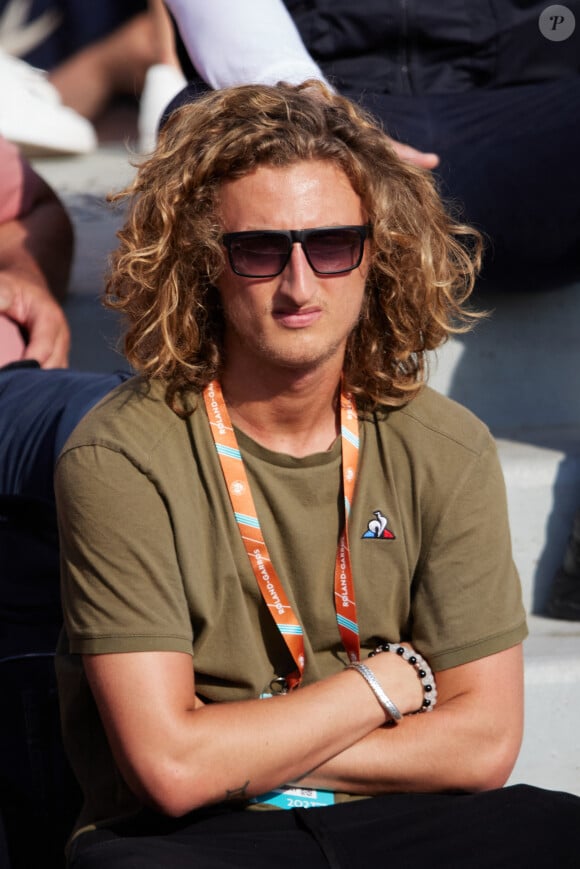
x=166, y=799
x=493, y=764
x=502, y=767
x=490, y=778
x=169, y=789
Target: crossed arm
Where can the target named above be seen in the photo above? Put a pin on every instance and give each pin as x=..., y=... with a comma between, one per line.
x=177, y=754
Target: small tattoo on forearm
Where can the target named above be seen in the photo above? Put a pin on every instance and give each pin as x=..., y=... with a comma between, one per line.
x=238, y=793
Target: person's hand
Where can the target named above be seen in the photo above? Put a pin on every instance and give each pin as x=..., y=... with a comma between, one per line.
x=39, y=314
x=411, y=155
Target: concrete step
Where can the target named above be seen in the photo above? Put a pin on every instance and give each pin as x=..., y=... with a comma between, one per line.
x=519, y=371
x=550, y=753
x=543, y=488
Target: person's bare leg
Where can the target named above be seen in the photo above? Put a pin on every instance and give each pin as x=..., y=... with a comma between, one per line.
x=116, y=64
x=164, y=78
x=164, y=43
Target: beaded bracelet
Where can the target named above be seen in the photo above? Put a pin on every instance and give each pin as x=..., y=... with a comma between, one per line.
x=423, y=669
x=375, y=686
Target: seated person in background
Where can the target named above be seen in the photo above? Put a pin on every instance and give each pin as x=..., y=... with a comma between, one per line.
x=38, y=410
x=487, y=94
x=277, y=496
x=94, y=54
x=36, y=244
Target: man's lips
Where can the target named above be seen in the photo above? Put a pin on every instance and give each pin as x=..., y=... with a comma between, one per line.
x=297, y=319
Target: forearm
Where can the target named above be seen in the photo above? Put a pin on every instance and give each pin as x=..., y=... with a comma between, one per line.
x=429, y=753
x=469, y=742
x=178, y=756
x=261, y=744
x=233, y=43
x=19, y=268
x=43, y=246
x=35, y=259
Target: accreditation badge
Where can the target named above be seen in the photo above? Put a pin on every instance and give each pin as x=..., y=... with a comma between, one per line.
x=296, y=798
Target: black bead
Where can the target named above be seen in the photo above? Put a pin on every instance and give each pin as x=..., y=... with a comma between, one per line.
x=422, y=673
x=427, y=688
x=426, y=702
x=412, y=660
x=400, y=650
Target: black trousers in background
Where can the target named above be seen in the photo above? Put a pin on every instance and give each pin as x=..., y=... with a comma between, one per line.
x=513, y=828
x=508, y=167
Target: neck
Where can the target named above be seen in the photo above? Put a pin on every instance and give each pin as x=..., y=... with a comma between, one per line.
x=296, y=415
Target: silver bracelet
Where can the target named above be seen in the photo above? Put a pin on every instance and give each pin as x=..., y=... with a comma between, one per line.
x=424, y=672
x=374, y=684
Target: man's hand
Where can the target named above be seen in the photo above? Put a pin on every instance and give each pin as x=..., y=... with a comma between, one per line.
x=35, y=309
x=35, y=258
x=411, y=155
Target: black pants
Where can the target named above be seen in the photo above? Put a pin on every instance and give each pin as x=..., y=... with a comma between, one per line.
x=509, y=828
x=508, y=165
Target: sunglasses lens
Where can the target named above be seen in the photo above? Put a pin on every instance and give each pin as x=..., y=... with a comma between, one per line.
x=260, y=254
x=332, y=251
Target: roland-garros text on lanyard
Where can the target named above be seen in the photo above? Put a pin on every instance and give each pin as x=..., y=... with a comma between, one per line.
x=246, y=516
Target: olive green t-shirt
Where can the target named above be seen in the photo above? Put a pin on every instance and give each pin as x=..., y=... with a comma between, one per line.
x=153, y=558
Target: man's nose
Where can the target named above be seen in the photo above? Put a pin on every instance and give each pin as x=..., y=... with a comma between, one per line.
x=298, y=275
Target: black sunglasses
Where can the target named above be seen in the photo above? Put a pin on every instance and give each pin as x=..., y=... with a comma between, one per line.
x=264, y=253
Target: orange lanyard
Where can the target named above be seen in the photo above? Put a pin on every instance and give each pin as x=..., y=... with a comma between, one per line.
x=246, y=516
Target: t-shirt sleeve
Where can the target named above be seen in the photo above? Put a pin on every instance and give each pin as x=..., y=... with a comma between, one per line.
x=467, y=600
x=121, y=584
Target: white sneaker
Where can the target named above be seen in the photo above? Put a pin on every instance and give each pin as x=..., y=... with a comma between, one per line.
x=162, y=83
x=33, y=116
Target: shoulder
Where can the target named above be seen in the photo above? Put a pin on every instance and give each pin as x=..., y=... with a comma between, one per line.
x=432, y=443
x=433, y=420
x=134, y=420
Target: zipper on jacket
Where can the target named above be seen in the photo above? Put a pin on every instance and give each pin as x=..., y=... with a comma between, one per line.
x=405, y=53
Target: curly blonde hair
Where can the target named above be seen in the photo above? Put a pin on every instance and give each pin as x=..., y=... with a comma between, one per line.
x=422, y=262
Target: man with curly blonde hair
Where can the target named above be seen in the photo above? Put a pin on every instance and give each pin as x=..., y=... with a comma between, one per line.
x=275, y=533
